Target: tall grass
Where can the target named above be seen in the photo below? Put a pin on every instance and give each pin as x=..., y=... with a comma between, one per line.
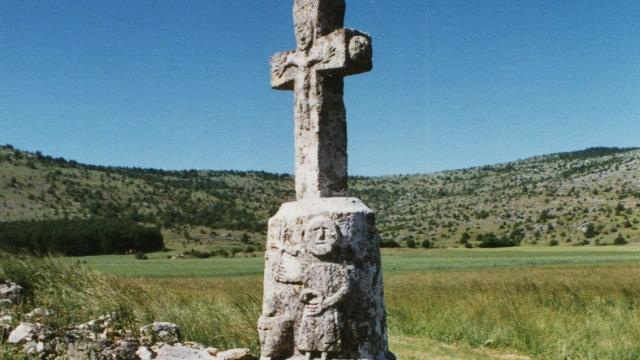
x=220, y=313
x=579, y=313
x=589, y=312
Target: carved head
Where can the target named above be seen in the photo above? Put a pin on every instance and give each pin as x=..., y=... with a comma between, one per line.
x=360, y=49
x=304, y=35
x=322, y=235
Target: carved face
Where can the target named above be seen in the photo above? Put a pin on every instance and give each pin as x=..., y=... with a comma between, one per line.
x=304, y=35
x=360, y=49
x=321, y=236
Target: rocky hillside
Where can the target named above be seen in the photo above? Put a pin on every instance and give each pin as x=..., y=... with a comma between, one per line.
x=567, y=198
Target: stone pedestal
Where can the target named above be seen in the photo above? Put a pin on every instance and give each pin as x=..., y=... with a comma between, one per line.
x=323, y=293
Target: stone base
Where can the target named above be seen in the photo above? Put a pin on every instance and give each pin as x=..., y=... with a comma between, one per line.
x=323, y=283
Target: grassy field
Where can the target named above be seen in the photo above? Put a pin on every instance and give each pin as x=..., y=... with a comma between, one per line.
x=394, y=260
x=518, y=303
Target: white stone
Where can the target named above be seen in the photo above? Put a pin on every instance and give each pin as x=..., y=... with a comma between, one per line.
x=181, y=352
x=144, y=353
x=24, y=332
x=10, y=291
x=235, y=354
x=160, y=332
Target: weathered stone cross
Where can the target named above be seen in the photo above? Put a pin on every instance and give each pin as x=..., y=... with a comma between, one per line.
x=314, y=71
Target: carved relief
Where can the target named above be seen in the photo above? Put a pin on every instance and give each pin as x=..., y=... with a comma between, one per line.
x=323, y=293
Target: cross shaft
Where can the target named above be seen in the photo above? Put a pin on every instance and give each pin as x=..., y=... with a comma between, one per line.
x=325, y=54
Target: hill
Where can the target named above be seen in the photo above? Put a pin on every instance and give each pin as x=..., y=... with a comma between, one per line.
x=566, y=198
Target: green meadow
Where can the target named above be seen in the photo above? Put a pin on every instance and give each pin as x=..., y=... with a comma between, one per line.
x=394, y=261
x=518, y=303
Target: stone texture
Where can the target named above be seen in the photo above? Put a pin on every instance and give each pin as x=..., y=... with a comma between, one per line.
x=144, y=353
x=181, y=352
x=23, y=333
x=314, y=71
x=10, y=291
x=323, y=283
x=235, y=354
x=323, y=293
x=160, y=332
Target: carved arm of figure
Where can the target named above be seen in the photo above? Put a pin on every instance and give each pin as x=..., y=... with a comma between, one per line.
x=295, y=59
x=316, y=302
x=339, y=295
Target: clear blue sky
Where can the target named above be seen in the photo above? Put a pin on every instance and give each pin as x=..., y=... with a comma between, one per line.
x=185, y=84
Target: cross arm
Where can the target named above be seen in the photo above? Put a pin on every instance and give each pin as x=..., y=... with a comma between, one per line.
x=282, y=75
x=345, y=52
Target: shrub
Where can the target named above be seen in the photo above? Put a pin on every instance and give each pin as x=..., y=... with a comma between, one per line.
x=387, y=243
x=620, y=240
x=79, y=237
x=464, y=239
x=411, y=244
x=590, y=231
x=426, y=244
x=490, y=240
x=553, y=242
x=141, y=256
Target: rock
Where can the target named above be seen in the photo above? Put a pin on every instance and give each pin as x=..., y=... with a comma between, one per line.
x=6, y=325
x=125, y=349
x=213, y=351
x=30, y=348
x=235, y=354
x=23, y=333
x=38, y=314
x=11, y=291
x=144, y=353
x=164, y=332
x=181, y=352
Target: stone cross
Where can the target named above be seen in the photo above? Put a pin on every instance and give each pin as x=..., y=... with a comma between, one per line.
x=325, y=54
x=323, y=295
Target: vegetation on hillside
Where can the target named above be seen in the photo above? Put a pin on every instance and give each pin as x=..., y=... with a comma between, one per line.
x=79, y=237
x=577, y=198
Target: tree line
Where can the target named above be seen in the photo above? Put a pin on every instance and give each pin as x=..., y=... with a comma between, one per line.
x=80, y=237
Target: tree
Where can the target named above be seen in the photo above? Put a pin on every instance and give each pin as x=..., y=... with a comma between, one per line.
x=590, y=231
x=620, y=240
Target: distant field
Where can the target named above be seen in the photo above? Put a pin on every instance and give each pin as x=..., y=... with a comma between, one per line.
x=394, y=260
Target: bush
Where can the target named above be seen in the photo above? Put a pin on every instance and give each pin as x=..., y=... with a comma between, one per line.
x=426, y=244
x=620, y=240
x=389, y=244
x=197, y=254
x=553, y=242
x=141, y=256
x=464, y=239
x=490, y=240
x=411, y=244
x=591, y=231
x=79, y=237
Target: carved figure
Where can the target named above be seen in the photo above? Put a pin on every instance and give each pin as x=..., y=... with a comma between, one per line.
x=323, y=294
x=326, y=284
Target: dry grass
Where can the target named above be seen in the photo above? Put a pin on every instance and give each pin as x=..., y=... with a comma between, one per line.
x=585, y=312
